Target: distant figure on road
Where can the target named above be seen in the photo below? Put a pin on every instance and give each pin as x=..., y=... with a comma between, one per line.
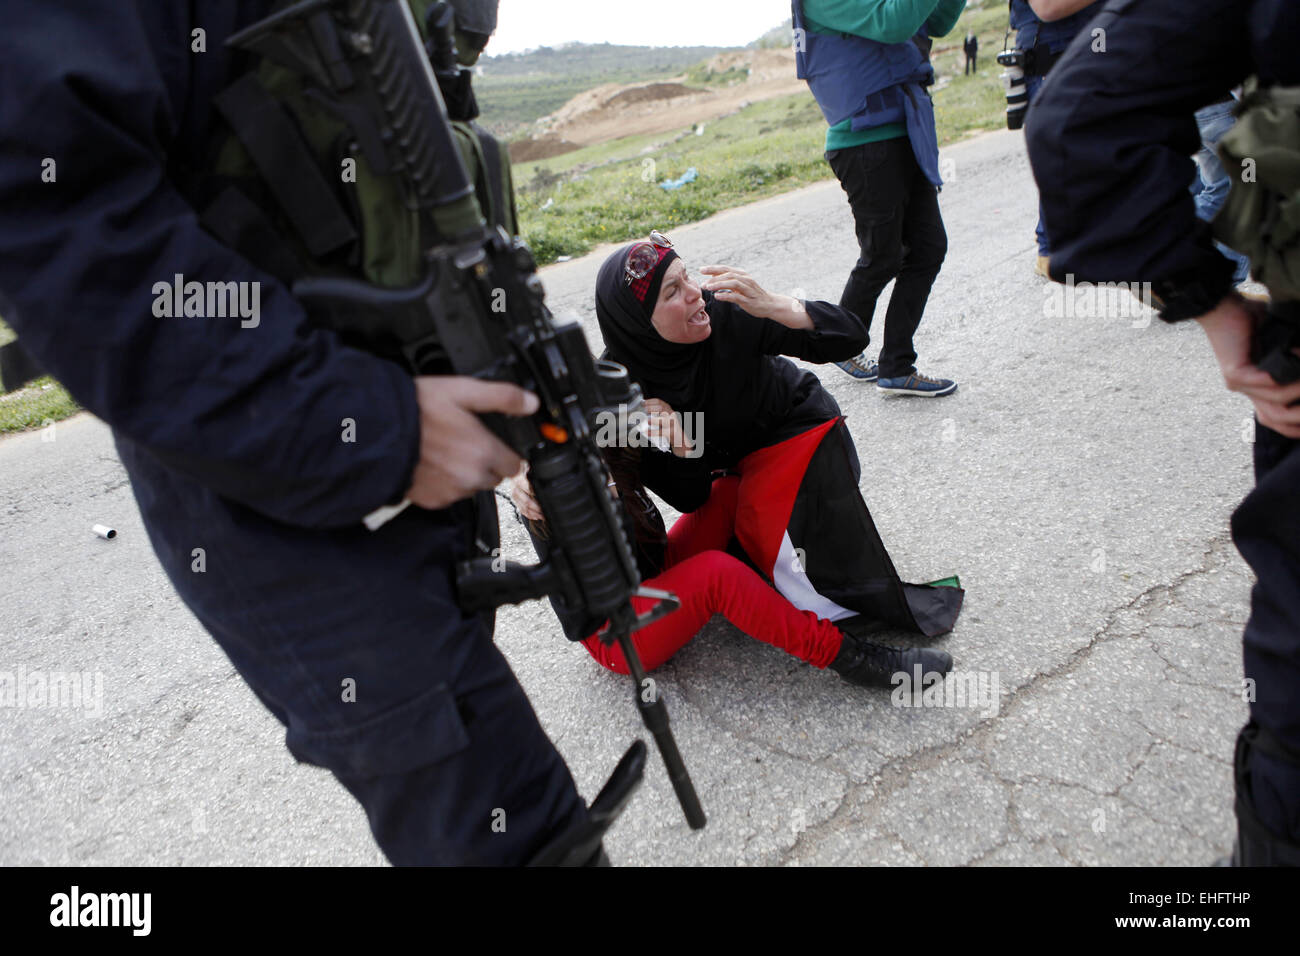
x=868, y=66
x=972, y=48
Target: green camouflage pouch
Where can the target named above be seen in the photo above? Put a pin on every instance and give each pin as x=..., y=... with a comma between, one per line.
x=1261, y=217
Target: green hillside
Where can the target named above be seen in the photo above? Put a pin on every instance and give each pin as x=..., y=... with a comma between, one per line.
x=515, y=89
x=610, y=192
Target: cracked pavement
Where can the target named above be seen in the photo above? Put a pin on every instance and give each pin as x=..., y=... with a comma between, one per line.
x=1080, y=482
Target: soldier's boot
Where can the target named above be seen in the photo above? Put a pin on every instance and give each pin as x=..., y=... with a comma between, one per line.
x=1256, y=844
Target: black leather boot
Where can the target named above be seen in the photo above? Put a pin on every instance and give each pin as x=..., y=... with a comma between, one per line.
x=874, y=665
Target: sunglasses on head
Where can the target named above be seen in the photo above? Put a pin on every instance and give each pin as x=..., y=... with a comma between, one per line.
x=644, y=256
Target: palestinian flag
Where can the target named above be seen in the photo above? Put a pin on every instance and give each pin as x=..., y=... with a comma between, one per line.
x=802, y=520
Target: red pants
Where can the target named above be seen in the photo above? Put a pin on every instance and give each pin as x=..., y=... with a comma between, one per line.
x=709, y=581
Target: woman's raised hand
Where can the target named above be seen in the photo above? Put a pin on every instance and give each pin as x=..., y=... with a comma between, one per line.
x=736, y=285
x=729, y=284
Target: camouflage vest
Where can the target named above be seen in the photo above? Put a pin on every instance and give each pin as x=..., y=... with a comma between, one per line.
x=1261, y=217
x=290, y=188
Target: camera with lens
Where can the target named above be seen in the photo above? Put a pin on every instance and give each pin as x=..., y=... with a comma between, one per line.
x=1013, y=81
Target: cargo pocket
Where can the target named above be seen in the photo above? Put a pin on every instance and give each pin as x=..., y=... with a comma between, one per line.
x=415, y=734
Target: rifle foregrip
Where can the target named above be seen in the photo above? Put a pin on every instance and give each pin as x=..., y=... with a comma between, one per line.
x=601, y=574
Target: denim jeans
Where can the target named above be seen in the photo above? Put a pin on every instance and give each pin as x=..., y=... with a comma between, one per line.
x=1032, y=85
x=1213, y=121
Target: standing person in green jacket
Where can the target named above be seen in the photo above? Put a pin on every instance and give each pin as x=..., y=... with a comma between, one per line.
x=867, y=63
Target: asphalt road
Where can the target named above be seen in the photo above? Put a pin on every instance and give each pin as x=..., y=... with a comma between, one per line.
x=1080, y=482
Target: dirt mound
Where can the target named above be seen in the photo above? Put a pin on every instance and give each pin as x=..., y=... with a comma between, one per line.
x=650, y=93
x=539, y=147
x=612, y=111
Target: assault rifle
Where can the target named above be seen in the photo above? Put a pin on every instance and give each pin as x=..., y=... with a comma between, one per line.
x=479, y=311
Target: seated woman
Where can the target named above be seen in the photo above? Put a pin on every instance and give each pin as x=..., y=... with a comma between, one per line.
x=690, y=561
x=716, y=353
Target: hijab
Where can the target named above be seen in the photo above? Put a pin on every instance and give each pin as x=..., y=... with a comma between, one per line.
x=674, y=372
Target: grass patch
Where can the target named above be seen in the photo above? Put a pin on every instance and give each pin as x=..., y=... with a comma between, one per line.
x=540, y=173
x=41, y=402
x=700, y=74
x=610, y=192
x=969, y=104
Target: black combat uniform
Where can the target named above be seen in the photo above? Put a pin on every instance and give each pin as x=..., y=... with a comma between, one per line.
x=1110, y=139
x=232, y=431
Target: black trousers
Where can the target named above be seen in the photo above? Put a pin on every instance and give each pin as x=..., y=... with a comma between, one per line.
x=1266, y=529
x=970, y=64
x=900, y=236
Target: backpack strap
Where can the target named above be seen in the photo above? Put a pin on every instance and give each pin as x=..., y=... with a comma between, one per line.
x=487, y=163
x=491, y=170
x=287, y=165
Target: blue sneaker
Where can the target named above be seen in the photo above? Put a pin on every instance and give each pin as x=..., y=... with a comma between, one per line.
x=917, y=384
x=861, y=368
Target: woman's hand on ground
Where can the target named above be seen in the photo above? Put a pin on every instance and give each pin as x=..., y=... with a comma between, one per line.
x=736, y=285
x=521, y=493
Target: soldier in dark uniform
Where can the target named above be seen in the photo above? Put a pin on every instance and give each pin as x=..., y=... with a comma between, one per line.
x=1110, y=140
x=235, y=434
